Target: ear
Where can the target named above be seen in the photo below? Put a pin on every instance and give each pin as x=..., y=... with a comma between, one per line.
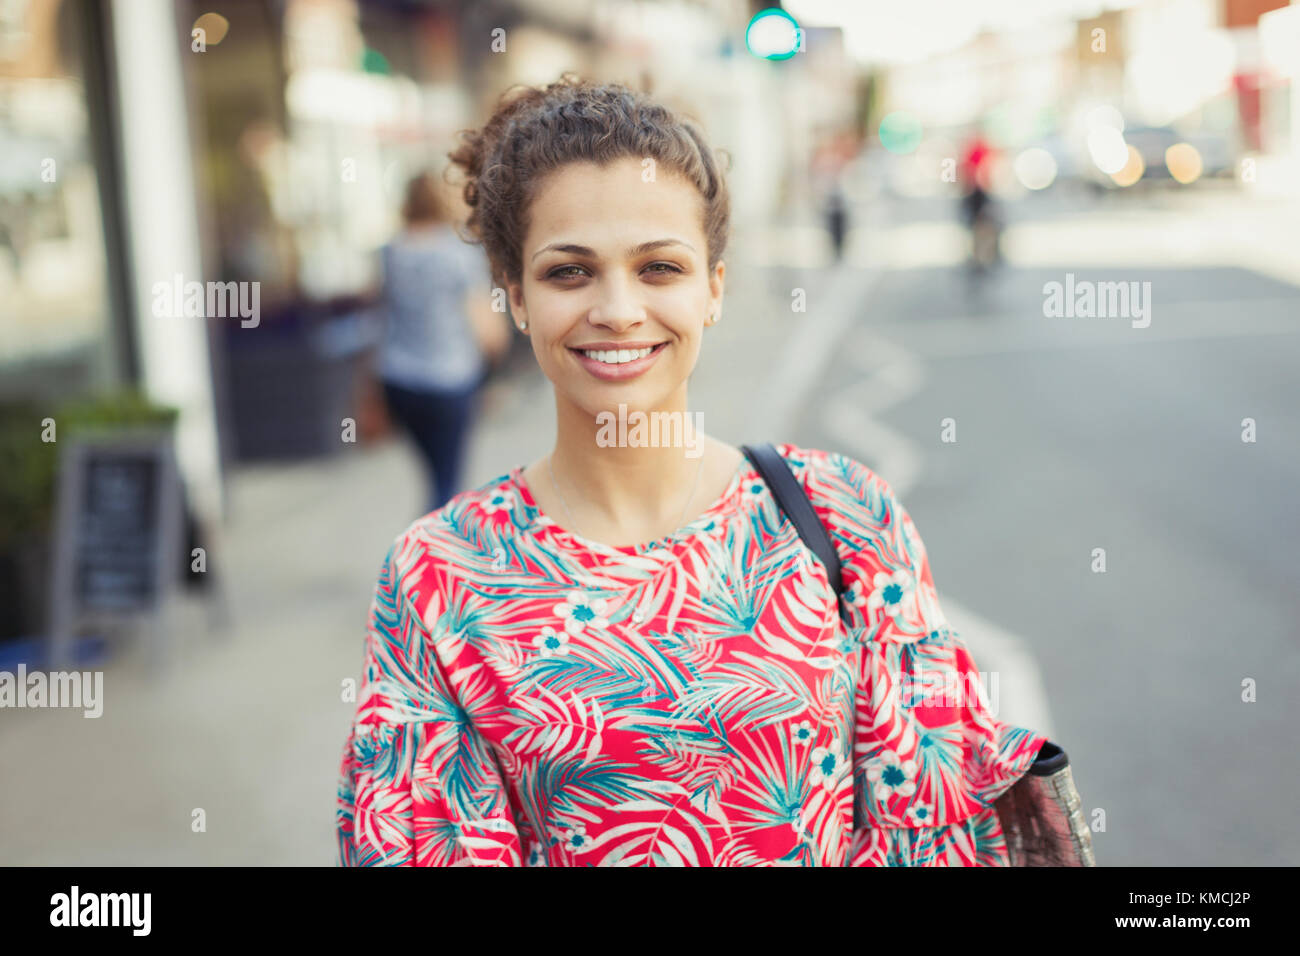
x=717, y=284
x=518, y=310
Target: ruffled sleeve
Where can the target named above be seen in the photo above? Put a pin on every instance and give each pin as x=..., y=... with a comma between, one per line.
x=929, y=759
x=418, y=784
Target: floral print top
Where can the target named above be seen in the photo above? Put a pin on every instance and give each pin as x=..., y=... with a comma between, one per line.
x=531, y=697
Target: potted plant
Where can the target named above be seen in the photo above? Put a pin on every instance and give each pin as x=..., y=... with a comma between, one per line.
x=28, y=479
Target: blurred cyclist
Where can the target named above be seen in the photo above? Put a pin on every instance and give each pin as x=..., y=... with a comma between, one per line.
x=977, y=205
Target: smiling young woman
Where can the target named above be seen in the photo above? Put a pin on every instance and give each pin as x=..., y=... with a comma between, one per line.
x=617, y=285
x=624, y=654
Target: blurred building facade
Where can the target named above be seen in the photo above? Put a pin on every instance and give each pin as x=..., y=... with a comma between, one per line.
x=59, y=308
x=268, y=142
x=1216, y=74
x=150, y=144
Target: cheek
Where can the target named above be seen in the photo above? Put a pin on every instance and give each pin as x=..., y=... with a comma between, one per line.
x=682, y=311
x=544, y=350
x=687, y=301
x=548, y=318
x=694, y=342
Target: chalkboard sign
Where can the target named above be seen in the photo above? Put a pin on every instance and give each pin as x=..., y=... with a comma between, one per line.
x=116, y=552
x=118, y=528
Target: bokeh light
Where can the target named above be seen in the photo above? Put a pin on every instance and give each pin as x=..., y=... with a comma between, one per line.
x=1132, y=170
x=1035, y=168
x=214, y=27
x=1107, y=148
x=772, y=34
x=900, y=132
x=1184, y=162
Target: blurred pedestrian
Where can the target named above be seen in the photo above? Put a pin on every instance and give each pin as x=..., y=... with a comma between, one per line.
x=828, y=165
x=837, y=218
x=977, y=205
x=440, y=334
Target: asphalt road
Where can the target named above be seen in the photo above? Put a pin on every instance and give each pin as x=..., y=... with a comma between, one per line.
x=1076, y=434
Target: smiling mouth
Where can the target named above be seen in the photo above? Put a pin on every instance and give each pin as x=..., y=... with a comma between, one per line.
x=618, y=356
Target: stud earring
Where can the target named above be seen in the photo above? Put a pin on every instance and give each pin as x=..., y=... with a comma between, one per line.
x=523, y=326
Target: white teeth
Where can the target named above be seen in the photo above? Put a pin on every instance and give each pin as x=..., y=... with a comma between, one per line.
x=617, y=356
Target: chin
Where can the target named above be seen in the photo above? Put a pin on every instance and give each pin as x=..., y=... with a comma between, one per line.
x=633, y=399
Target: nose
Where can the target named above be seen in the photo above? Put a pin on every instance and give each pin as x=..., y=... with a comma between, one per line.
x=618, y=306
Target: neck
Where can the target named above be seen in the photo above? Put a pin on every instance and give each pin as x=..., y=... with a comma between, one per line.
x=610, y=470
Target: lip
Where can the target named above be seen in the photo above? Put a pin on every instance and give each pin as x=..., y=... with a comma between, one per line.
x=610, y=346
x=618, y=373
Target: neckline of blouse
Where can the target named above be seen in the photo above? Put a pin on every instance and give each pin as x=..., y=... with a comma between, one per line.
x=538, y=519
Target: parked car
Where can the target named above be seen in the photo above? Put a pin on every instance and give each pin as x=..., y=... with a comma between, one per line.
x=1152, y=143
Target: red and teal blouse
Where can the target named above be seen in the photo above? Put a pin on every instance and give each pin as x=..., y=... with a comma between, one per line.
x=533, y=698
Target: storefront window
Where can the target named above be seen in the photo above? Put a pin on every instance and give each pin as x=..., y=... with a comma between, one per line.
x=54, y=306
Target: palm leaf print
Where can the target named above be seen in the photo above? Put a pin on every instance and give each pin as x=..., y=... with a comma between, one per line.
x=530, y=697
x=696, y=760
x=564, y=785
x=549, y=721
x=756, y=693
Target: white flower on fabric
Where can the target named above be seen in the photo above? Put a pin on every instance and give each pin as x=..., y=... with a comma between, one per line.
x=855, y=594
x=499, y=500
x=579, y=612
x=921, y=815
x=575, y=839
x=890, y=775
x=890, y=590
x=549, y=642
x=826, y=765
x=802, y=732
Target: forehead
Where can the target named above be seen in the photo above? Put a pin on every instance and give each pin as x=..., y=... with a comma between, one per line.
x=586, y=201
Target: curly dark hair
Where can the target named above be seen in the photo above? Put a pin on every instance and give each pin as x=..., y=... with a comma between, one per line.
x=536, y=130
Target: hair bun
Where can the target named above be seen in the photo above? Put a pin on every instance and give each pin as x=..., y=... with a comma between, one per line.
x=533, y=131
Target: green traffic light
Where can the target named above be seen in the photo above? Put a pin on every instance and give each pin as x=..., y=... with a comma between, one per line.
x=773, y=35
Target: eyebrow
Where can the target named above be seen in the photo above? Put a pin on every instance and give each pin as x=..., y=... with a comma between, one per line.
x=634, y=251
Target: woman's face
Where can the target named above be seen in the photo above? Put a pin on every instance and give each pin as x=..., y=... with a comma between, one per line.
x=612, y=263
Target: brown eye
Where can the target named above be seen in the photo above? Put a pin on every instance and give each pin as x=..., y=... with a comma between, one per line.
x=560, y=273
x=668, y=268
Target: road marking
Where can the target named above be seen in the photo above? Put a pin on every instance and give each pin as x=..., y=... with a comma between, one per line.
x=826, y=327
x=893, y=373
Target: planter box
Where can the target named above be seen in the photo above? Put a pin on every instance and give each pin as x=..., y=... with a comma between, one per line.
x=292, y=381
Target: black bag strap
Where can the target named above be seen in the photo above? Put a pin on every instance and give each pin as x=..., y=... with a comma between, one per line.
x=794, y=502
